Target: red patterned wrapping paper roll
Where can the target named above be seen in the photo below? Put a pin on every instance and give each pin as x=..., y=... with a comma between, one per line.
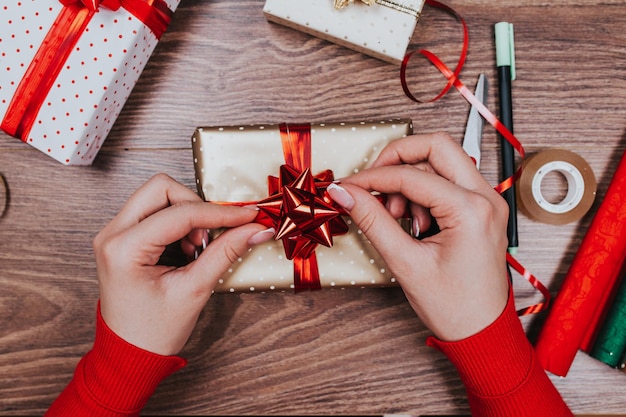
x=592, y=274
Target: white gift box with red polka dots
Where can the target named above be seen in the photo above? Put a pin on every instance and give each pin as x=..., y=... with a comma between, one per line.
x=382, y=30
x=92, y=86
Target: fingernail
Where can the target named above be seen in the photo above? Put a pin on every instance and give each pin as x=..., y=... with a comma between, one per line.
x=251, y=207
x=262, y=236
x=416, y=227
x=340, y=196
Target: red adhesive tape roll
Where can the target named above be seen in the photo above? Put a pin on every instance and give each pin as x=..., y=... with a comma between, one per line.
x=590, y=278
x=581, y=187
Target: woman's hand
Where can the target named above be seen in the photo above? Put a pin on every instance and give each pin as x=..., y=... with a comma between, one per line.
x=455, y=280
x=156, y=307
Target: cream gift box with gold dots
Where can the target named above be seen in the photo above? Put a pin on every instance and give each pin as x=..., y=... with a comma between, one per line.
x=67, y=70
x=379, y=28
x=232, y=164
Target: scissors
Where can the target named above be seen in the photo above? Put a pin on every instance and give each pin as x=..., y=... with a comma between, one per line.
x=474, y=128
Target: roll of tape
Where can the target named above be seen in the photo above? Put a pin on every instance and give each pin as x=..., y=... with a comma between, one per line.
x=581, y=187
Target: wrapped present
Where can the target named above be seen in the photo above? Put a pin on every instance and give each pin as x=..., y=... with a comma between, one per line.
x=237, y=165
x=379, y=28
x=69, y=67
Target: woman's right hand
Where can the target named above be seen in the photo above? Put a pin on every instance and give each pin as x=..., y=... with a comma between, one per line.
x=455, y=280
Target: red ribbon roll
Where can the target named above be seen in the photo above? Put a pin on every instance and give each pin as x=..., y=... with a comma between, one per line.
x=57, y=47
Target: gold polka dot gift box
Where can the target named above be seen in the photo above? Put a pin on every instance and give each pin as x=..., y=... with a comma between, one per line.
x=285, y=169
x=379, y=28
x=69, y=66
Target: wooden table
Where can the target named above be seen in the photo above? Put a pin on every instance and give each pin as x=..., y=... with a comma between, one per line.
x=329, y=352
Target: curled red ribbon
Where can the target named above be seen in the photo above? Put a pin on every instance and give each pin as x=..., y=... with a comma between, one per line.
x=57, y=47
x=453, y=80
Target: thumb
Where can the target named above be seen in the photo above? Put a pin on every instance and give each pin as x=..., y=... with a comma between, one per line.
x=225, y=250
x=373, y=219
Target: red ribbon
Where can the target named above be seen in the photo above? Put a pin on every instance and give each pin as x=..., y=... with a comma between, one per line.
x=453, y=80
x=299, y=209
x=57, y=47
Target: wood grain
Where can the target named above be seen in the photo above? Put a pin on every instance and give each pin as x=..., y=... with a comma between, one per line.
x=329, y=352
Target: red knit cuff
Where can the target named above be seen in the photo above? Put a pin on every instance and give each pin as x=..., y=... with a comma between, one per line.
x=494, y=361
x=120, y=376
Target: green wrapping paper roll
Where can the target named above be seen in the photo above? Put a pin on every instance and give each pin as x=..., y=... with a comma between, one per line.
x=610, y=345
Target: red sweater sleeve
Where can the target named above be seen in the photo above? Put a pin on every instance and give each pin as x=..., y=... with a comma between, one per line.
x=498, y=367
x=114, y=379
x=500, y=371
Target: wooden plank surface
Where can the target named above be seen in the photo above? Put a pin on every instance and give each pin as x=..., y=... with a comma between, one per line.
x=329, y=352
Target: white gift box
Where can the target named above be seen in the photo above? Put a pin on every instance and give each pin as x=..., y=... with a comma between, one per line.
x=92, y=86
x=382, y=30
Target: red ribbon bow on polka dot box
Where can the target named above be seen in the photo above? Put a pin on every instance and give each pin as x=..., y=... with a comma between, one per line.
x=69, y=67
x=314, y=247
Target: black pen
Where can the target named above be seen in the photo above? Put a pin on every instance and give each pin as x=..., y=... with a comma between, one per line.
x=505, y=61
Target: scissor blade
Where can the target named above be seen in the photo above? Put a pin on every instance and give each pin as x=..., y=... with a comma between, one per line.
x=474, y=129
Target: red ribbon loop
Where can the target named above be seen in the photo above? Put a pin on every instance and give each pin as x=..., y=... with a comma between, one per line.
x=453, y=80
x=452, y=76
